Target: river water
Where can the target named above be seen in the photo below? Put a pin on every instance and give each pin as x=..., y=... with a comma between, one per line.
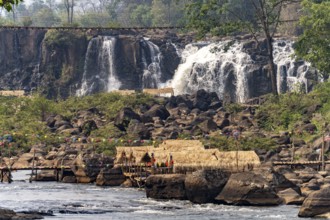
x=79, y=201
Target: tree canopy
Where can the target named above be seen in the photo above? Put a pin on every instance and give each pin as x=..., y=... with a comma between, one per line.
x=8, y=4
x=314, y=44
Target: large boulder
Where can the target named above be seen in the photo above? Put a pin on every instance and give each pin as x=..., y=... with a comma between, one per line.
x=317, y=203
x=124, y=117
x=157, y=111
x=291, y=197
x=137, y=129
x=208, y=126
x=110, y=177
x=248, y=188
x=204, y=185
x=166, y=187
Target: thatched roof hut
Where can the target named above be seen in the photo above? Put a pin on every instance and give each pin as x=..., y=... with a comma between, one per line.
x=192, y=154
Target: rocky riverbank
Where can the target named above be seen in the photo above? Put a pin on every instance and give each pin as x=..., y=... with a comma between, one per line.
x=200, y=116
x=263, y=187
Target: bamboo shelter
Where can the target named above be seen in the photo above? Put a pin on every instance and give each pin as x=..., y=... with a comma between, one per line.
x=191, y=155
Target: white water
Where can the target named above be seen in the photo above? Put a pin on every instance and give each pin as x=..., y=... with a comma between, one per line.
x=290, y=76
x=86, y=201
x=108, y=54
x=152, y=72
x=208, y=67
x=104, y=75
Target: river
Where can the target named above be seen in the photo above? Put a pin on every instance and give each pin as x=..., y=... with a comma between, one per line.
x=79, y=201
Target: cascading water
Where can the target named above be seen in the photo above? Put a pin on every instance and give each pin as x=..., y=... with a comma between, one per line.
x=151, y=58
x=229, y=71
x=291, y=74
x=213, y=67
x=99, y=68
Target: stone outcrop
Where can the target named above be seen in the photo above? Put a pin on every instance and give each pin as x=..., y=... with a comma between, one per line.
x=291, y=197
x=317, y=203
x=204, y=185
x=110, y=177
x=248, y=189
x=166, y=187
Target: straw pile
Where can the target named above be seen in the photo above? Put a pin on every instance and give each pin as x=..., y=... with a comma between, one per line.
x=188, y=154
x=18, y=93
x=124, y=92
x=159, y=92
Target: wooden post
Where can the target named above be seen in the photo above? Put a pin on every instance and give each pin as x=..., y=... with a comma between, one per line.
x=34, y=155
x=322, y=153
x=237, y=155
x=293, y=153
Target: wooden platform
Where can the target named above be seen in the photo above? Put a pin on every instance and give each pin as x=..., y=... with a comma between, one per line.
x=279, y=163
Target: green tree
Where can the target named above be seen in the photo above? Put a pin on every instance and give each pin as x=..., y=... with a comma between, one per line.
x=222, y=17
x=141, y=16
x=8, y=4
x=314, y=44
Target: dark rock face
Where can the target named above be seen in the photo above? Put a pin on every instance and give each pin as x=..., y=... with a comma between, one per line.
x=248, y=189
x=124, y=117
x=157, y=111
x=317, y=203
x=204, y=185
x=166, y=187
x=137, y=129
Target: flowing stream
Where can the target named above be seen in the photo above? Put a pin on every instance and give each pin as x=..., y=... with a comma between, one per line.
x=79, y=201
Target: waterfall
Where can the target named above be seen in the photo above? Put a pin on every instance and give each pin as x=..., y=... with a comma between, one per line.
x=151, y=59
x=227, y=69
x=215, y=68
x=291, y=74
x=99, y=67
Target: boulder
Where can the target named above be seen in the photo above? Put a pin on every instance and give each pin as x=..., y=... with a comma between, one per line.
x=225, y=123
x=110, y=177
x=204, y=185
x=46, y=176
x=317, y=203
x=137, y=129
x=166, y=187
x=208, y=126
x=157, y=111
x=291, y=197
x=248, y=188
x=69, y=179
x=124, y=117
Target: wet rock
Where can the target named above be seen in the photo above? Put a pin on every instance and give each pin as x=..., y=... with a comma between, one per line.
x=248, y=189
x=204, y=185
x=110, y=177
x=69, y=179
x=317, y=203
x=166, y=187
x=291, y=197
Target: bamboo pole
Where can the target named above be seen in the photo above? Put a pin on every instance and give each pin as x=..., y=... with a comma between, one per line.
x=322, y=153
x=34, y=155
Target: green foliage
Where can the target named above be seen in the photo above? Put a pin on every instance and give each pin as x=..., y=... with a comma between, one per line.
x=286, y=110
x=224, y=143
x=8, y=4
x=314, y=44
x=62, y=38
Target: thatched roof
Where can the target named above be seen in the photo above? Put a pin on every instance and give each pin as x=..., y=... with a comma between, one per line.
x=193, y=154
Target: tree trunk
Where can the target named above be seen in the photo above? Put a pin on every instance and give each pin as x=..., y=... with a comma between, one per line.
x=271, y=65
x=71, y=17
